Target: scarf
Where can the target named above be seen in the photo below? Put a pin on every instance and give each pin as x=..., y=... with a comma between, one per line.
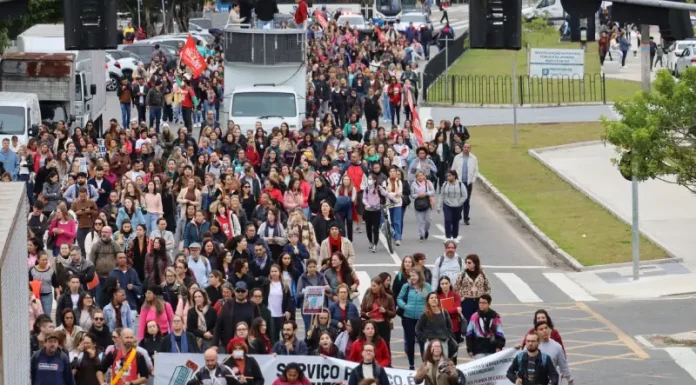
x=486, y=321
x=275, y=226
x=335, y=244
x=261, y=263
x=327, y=352
x=241, y=365
x=202, y=325
x=472, y=274
x=175, y=347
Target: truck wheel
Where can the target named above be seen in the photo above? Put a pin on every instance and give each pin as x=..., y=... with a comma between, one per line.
x=113, y=83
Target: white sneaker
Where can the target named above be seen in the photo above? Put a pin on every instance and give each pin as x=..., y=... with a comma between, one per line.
x=398, y=243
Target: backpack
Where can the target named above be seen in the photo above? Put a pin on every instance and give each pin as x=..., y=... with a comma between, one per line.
x=442, y=260
x=519, y=362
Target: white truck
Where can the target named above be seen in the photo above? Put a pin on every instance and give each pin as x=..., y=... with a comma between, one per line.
x=76, y=95
x=267, y=93
x=20, y=115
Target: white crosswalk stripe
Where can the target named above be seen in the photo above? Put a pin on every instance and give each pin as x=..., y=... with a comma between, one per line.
x=519, y=288
x=569, y=287
x=365, y=279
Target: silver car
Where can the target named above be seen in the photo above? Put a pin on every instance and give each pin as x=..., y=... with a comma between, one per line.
x=418, y=19
x=685, y=59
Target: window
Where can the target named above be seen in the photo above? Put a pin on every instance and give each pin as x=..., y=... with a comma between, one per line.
x=258, y=104
x=12, y=120
x=78, y=88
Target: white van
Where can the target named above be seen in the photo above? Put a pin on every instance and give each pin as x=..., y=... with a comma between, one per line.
x=20, y=115
x=552, y=8
x=269, y=105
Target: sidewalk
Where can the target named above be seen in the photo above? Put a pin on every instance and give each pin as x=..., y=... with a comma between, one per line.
x=632, y=71
x=667, y=217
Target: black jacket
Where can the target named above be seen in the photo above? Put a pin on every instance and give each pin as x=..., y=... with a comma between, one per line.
x=103, y=337
x=202, y=376
x=231, y=314
x=379, y=374
x=251, y=370
x=190, y=341
x=152, y=344
x=192, y=321
x=64, y=302
x=545, y=372
x=266, y=9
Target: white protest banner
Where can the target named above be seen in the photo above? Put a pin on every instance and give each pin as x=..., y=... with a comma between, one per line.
x=313, y=299
x=178, y=368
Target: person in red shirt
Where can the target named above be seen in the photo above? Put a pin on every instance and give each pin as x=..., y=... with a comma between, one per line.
x=187, y=104
x=395, y=100
x=301, y=13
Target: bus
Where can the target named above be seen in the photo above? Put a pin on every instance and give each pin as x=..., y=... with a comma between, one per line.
x=390, y=10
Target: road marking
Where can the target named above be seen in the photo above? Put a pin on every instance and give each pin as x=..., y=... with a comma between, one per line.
x=645, y=342
x=518, y=287
x=364, y=284
x=442, y=229
x=429, y=266
x=568, y=286
x=684, y=357
x=623, y=337
x=393, y=256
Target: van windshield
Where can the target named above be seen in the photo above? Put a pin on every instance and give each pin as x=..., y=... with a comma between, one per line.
x=12, y=120
x=78, y=88
x=257, y=104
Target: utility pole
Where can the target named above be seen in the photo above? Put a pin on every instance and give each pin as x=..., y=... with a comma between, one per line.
x=514, y=97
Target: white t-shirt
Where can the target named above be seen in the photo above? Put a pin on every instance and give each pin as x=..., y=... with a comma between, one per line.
x=275, y=299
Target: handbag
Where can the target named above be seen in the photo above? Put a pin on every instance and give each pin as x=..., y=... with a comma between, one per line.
x=422, y=204
x=399, y=310
x=51, y=241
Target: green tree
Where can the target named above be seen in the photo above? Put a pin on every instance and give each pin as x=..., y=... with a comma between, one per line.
x=40, y=11
x=535, y=29
x=658, y=127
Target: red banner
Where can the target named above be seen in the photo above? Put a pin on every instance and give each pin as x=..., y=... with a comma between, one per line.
x=415, y=120
x=192, y=58
x=320, y=19
x=380, y=35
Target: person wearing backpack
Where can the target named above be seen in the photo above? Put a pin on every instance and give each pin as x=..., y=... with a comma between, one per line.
x=449, y=264
x=452, y=198
x=199, y=264
x=531, y=366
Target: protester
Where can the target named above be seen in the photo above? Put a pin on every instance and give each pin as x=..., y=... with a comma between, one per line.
x=368, y=367
x=50, y=365
x=543, y=369
x=471, y=284
x=484, y=335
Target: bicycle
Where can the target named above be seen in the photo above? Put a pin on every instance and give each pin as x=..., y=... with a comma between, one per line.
x=387, y=229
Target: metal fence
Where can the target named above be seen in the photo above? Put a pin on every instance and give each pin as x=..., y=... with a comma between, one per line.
x=438, y=64
x=497, y=89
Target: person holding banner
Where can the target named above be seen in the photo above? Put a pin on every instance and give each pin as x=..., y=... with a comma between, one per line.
x=484, y=335
x=128, y=366
x=368, y=369
x=370, y=335
x=245, y=369
x=290, y=345
x=544, y=372
x=213, y=372
x=321, y=325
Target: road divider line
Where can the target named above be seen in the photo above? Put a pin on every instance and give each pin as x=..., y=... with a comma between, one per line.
x=518, y=287
x=684, y=357
x=364, y=284
x=393, y=255
x=430, y=266
x=569, y=287
x=620, y=334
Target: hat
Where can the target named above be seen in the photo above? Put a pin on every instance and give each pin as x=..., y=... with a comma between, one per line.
x=155, y=289
x=52, y=334
x=195, y=245
x=237, y=341
x=240, y=285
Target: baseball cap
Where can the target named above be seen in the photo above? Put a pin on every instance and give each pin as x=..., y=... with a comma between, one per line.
x=195, y=245
x=240, y=285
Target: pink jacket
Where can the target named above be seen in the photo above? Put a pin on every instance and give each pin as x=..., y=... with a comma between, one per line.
x=182, y=310
x=281, y=381
x=292, y=200
x=35, y=310
x=68, y=236
x=148, y=314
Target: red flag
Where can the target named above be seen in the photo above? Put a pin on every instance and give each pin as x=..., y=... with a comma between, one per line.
x=192, y=58
x=320, y=18
x=415, y=120
x=382, y=38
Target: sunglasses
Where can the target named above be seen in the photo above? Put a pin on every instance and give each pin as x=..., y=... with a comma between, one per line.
x=99, y=318
x=240, y=291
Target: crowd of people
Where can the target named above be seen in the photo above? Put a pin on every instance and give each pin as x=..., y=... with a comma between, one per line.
x=161, y=242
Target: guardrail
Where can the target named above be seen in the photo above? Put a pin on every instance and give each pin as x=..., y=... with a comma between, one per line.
x=439, y=63
x=497, y=89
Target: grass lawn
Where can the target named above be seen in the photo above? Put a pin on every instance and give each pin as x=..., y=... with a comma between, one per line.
x=556, y=207
x=489, y=70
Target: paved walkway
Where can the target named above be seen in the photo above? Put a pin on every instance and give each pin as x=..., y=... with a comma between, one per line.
x=667, y=217
x=633, y=64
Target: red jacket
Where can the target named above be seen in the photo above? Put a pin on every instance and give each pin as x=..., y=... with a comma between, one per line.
x=454, y=314
x=301, y=12
x=381, y=352
x=274, y=193
x=252, y=155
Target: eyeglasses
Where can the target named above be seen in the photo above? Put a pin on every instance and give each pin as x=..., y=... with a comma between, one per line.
x=240, y=291
x=99, y=318
x=242, y=329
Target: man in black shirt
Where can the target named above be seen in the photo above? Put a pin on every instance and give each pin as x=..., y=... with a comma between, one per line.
x=234, y=312
x=531, y=366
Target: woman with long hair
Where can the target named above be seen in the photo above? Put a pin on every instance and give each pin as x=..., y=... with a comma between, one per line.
x=152, y=342
x=155, y=309
x=44, y=273
x=372, y=200
x=450, y=301
x=394, y=189
x=378, y=306
x=136, y=250
x=240, y=273
x=471, y=284
x=153, y=204
x=185, y=302
x=321, y=324
x=62, y=229
x=239, y=249
x=130, y=211
x=350, y=193
x=201, y=319
x=322, y=221
x=435, y=324
x=339, y=272
x=156, y=263
x=280, y=302
x=419, y=262
x=87, y=360
x=542, y=315
x=273, y=233
x=343, y=309
x=69, y=326
x=298, y=222
x=402, y=276
x=84, y=310
x=369, y=334
x=259, y=343
x=411, y=301
x=171, y=286
x=436, y=369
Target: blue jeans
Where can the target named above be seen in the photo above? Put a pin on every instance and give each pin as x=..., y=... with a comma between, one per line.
x=452, y=217
x=98, y=296
x=409, y=326
x=125, y=114
x=30, y=186
x=396, y=217
x=260, y=24
x=155, y=117
x=386, y=110
x=151, y=222
x=207, y=106
x=47, y=303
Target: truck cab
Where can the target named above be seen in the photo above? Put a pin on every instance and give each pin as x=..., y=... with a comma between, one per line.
x=270, y=105
x=20, y=115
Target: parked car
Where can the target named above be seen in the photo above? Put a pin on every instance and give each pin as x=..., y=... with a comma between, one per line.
x=686, y=59
x=355, y=20
x=417, y=18
x=113, y=69
x=127, y=64
x=672, y=52
x=144, y=50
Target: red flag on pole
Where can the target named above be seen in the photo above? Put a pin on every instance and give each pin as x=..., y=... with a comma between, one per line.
x=192, y=58
x=320, y=18
x=382, y=38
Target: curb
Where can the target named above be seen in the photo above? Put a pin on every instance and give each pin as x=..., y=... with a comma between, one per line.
x=507, y=106
x=534, y=153
x=540, y=235
x=662, y=261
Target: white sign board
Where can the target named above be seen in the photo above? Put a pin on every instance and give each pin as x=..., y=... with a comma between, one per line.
x=568, y=63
